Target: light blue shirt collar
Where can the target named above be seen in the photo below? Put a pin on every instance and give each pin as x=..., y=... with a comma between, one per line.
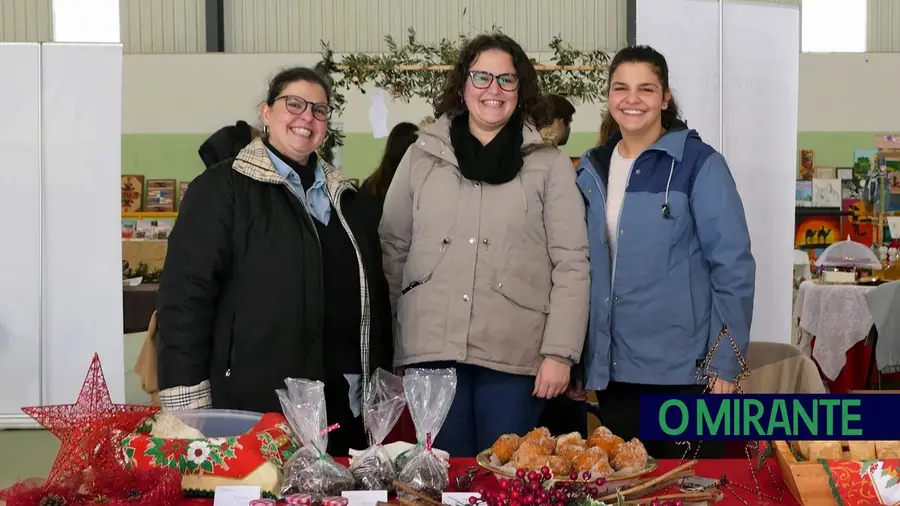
x=316, y=198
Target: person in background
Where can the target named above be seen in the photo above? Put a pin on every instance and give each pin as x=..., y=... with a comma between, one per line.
x=268, y=275
x=226, y=142
x=485, y=250
x=375, y=187
x=565, y=413
x=679, y=267
x=560, y=115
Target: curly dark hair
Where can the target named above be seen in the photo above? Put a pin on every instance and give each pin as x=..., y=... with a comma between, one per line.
x=451, y=100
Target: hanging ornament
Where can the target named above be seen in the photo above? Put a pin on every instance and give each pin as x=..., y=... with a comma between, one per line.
x=753, y=448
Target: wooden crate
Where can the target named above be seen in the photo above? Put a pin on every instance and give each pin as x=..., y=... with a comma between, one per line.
x=808, y=481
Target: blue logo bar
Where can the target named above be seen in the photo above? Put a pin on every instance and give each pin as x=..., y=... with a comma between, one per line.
x=765, y=417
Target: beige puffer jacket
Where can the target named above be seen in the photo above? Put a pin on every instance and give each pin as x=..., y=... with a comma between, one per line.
x=491, y=275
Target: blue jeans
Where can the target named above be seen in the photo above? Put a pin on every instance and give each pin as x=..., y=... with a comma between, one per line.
x=487, y=405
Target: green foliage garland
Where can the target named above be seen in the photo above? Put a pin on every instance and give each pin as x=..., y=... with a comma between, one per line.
x=417, y=70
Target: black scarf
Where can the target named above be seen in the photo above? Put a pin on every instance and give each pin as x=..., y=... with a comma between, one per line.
x=497, y=162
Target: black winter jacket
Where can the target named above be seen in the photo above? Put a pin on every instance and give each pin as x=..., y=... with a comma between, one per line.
x=240, y=296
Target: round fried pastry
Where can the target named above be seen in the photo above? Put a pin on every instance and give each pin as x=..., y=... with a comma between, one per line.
x=602, y=469
x=559, y=465
x=538, y=433
x=631, y=455
x=505, y=446
x=588, y=459
x=606, y=440
x=572, y=438
x=570, y=451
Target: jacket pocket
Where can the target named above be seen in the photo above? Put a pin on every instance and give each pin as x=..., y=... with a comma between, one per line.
x=424, y=259
x=523, y=294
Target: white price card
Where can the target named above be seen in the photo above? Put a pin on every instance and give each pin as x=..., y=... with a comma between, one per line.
x=459, y=498
x=236, y=496
x=365, y=497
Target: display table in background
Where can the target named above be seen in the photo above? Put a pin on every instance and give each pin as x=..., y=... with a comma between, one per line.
x=834, y=321
x=138, y=305
x=736, y=470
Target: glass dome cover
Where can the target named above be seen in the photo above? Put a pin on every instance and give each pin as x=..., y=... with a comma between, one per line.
x=848, y=254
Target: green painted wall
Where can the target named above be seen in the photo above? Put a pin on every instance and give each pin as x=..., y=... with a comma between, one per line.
x=174, y=156
x=835, y=149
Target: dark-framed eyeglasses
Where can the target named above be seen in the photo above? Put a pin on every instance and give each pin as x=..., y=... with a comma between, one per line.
x=482, y=80
x=297, y=105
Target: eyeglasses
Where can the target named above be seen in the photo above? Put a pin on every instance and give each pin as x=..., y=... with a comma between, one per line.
x=297, y=105
x=482, y=80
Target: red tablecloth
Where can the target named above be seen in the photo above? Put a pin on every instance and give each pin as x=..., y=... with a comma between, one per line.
x=853, y=375
x=736, y=470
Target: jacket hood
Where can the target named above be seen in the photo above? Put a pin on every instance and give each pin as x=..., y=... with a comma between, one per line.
x=226, y=143
x=253, y=161
x=533, y=139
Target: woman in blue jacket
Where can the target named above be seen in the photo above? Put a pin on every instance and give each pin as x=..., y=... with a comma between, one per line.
x=679, y=269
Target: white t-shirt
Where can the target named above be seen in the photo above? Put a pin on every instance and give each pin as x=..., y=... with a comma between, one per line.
x=619, y=169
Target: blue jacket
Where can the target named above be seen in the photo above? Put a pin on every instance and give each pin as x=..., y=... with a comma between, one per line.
x=678, y=277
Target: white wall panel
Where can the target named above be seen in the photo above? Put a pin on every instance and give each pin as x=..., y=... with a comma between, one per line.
x=351, y=26
x=883, y=26
x=26, y=21
x=163, y=26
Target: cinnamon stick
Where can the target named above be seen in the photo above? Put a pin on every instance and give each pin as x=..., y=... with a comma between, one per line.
x=687, y=497
x=656, y=487
x=654, y=481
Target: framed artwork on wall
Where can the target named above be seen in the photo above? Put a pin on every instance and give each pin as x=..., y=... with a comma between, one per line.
x=817, y=231
x=826, y=173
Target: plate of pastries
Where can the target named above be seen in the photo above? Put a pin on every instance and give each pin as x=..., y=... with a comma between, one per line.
x=847, y=450
x=602, y=455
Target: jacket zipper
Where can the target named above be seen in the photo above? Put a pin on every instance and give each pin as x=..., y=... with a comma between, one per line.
x=362, y=266
x=318, y=243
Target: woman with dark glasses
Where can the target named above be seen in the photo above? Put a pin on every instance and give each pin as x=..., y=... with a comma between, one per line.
x=485, y=250
x=270, y=275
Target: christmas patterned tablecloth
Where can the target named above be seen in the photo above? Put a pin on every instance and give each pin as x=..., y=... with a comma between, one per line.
x=736, y=470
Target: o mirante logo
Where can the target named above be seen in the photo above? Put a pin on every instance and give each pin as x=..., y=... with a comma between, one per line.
x=755, y=417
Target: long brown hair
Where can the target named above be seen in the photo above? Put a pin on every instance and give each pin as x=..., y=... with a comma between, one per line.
x=451, y=102
x=652, y=57
x=400, y=139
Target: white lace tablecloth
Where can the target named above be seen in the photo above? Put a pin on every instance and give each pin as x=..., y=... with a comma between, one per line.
x=837, y=316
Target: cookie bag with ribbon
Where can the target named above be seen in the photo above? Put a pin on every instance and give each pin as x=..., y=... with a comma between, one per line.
x=384, y=403
x=429, y=394
x=753, y=448
x=311, y=470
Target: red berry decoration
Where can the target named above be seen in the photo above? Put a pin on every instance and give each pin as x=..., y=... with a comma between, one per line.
x=573, y=476
x=473, y=500
x=520, y=474
x=655, y=502
x=527, y=500
x=600, y=482
x=546, y=471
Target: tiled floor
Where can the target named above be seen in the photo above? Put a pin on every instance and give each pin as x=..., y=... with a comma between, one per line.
x=30, y=453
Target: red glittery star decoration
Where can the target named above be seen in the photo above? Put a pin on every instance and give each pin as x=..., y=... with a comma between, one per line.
x=91, y=430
